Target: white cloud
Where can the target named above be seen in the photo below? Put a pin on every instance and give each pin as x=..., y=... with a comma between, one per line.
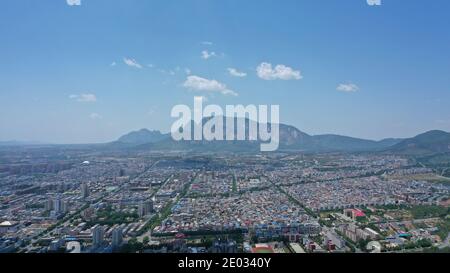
x=374, y=2
x=73, y=2
x=84, y=98
x=207, y=55
x=280, y=72
x=113, y=64
x=347, y=87
x=201, y=84
x=187, y=71
x=234, y=72
x=132, y=63
x=95, y=116
x=207, y=43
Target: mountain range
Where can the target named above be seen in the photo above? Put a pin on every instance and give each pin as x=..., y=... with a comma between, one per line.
x=292, y=138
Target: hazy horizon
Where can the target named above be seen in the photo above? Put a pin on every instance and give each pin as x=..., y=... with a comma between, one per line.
x=43, y=142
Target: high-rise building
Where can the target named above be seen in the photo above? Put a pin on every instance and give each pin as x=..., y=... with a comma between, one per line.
x=49, y=204
x=58, y=206
x=145, y=208
x=117, y=237
x=141, y=209
x=97, y=236
x=148, y=206
x=65, y=206
x=84, y=190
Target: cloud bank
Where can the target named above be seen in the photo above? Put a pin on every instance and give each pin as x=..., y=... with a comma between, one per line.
x=234, y=72
x=280, y=72
x=197, y=83
x=348, y=87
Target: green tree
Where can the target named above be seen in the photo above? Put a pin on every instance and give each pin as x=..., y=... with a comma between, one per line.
x=146, y=240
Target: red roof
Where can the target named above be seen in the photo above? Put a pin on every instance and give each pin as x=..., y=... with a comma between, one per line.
x=261, y=250
x=358, y=213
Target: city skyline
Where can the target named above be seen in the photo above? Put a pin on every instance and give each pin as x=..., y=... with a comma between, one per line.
x=91, y=71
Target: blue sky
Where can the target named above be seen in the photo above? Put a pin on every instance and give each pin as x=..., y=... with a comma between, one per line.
x=92, y=72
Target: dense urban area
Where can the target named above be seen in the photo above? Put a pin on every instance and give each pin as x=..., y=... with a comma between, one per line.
x=70, y=199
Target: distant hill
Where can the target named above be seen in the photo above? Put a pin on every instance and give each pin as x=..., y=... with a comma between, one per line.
x=142, y=136
x=388, y=142
x=293, y=139
x=427, y=143
x=344, y=143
